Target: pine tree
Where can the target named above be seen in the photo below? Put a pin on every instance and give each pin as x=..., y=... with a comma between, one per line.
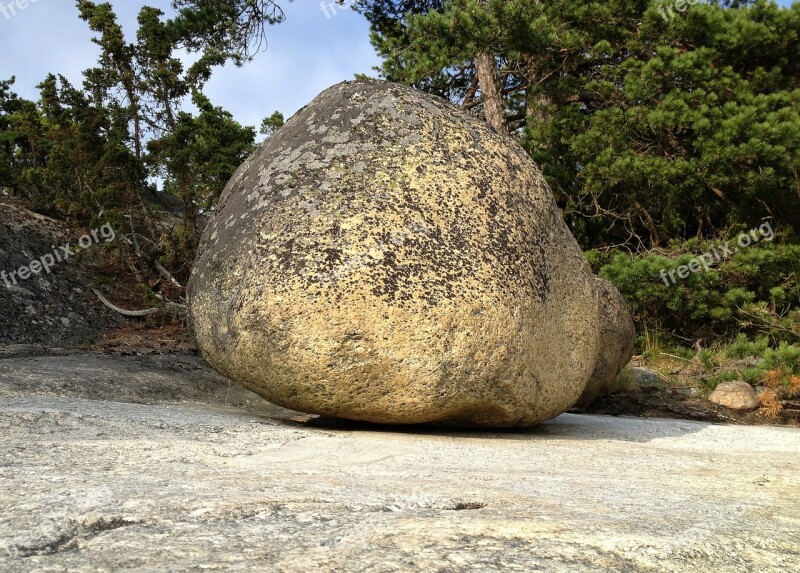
x=648, y=130
x=98, y=151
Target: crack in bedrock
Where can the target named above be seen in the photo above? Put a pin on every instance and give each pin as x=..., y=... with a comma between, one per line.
x=69, y=539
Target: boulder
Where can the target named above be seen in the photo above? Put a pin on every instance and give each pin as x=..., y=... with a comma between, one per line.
x=386, y=257
x=616, y=342
x=646, y=378
x=735, y=395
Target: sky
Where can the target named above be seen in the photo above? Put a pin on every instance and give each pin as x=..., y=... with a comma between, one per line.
x=306, y=54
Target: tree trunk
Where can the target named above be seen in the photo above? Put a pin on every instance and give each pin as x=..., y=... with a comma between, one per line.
x=537, y=104
x=493, y=105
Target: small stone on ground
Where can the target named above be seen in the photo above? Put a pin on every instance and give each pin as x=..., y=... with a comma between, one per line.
x=736, y=395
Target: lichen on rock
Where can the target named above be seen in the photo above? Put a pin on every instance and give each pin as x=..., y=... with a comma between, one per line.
x=386, y=257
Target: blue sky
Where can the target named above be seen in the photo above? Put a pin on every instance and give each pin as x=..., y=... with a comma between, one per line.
x=307, y=53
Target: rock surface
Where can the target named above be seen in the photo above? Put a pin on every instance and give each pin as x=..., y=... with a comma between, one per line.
x=47, y=308
x=647, y=378
x=617, y=334
x=385, y=257
x=158, y=464
x=735, y=395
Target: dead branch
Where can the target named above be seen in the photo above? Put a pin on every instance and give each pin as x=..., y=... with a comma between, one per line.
x=139, y=313
x=123, y=312
x=166, y=274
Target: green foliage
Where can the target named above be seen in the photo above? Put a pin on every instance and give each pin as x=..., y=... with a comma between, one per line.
x=93, y=153
x=646, y=130
x=757, y=362
x=67, y=155
x=200, y=153
x=752, y=376
x=707, y=358
x=784, y=358
x=223, y=30
x=271, y=124
x=743, y=347
x=736, y=295
x=9, y=104
x=698, y=138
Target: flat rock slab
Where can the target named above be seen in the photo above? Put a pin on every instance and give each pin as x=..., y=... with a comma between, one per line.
x=157, y=464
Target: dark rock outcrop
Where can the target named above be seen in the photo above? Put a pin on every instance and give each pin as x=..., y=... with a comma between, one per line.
x=54, y=308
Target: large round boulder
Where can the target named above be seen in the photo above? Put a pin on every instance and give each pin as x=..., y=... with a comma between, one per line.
x=386, y=257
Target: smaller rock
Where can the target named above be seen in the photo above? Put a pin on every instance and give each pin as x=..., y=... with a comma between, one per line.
x=690, y=391
x=736, y=395
x=646, y=378
x=617, y=333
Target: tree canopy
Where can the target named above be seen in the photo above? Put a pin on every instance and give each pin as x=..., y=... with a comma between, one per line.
x=139, y=136
x=649, y=129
